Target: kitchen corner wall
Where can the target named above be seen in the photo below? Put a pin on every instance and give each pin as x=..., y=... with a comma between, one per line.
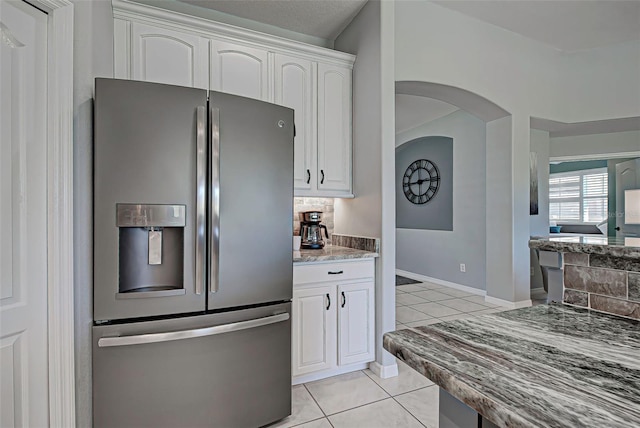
x=314, y=204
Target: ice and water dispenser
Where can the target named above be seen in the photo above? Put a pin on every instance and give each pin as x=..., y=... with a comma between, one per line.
x=150, y=250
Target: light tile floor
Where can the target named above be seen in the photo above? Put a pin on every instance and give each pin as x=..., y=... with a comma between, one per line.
x=362, y=399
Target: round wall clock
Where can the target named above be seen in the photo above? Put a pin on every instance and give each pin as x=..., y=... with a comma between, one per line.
x=421, y=181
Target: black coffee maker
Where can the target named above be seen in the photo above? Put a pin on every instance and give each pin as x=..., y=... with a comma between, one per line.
x=311, y=230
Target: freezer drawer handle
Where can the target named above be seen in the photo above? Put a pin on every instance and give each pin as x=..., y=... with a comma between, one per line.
x=190, y=334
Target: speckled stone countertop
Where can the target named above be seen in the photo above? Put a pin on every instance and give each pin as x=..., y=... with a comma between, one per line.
x=628, y=248
x=543, y=366
x=331, y=252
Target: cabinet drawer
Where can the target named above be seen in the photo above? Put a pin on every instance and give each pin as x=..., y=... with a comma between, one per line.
x=337, y=272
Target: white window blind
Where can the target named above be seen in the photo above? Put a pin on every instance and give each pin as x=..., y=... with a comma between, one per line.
x=578, y=196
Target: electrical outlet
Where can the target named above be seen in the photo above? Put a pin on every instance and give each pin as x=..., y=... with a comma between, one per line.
x=463, y=267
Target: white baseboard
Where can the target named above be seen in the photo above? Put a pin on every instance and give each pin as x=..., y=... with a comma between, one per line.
x=384, y=372
x=328, y=373
x=442, y=282
x=471, y=290
x=507, y=304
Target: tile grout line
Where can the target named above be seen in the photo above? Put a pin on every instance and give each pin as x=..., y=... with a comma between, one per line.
x=409, y=411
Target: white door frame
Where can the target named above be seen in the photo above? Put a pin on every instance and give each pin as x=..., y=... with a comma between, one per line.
x=60, y=321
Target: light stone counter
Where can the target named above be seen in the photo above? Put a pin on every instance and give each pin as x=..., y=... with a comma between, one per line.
x=331, y=252
x=543, y=366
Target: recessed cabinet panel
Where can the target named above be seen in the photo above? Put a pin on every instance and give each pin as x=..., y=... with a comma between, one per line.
x=294, y=89
x=167, y=56
x=239, y=70
x=339, y=336
x=355, y=319
x=334, y=128
x=314, y=330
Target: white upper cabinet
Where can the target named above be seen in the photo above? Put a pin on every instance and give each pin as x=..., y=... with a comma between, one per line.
x=156, y=45
x=294, y=89
x=334, y=128
x=240, y=70
x=167, y=56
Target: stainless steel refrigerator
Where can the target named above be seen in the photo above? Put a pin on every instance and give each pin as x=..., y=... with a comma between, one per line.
x=193, y=194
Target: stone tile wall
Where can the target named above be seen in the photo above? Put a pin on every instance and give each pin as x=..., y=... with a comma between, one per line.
x=602, y=283
x=314, y=204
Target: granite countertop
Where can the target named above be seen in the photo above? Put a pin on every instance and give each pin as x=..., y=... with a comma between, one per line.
x=331, y=252
x=628, y=248
x=543, y=366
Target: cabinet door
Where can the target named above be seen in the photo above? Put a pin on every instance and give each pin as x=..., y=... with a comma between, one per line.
x=314, y=329
x=239, y=70
x=334, y=128
x=294, y=88
x=356, y=323
x=167, y=56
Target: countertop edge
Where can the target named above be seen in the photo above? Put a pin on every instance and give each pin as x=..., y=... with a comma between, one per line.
x=631, y=253
x=445, y=379
x=332, y=253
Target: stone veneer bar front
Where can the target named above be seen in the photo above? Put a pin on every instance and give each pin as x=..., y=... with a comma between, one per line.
x=602, y=274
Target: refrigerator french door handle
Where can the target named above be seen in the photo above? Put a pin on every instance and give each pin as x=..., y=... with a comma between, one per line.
x=214, y=220
x=140, y=339
x=201, y=186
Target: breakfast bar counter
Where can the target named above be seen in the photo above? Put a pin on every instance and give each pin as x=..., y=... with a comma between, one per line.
x=627, y=248
x=543, y=366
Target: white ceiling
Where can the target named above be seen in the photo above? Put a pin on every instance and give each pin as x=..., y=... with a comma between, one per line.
x=319, y=18
x=568, y=25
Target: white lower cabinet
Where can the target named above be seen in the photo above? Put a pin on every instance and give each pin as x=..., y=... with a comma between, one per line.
x=333, y=318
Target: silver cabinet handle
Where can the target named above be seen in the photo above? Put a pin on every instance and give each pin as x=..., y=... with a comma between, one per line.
x=140, y=339
x=214, y=197
x=201, y=184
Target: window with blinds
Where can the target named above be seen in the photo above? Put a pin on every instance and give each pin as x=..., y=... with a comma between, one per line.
x=578, y=196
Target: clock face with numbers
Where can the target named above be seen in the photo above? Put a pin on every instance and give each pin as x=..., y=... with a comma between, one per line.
x=421, y=181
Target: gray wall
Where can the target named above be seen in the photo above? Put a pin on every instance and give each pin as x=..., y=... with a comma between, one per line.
x=438, y=254
x=93, y=57
x=437, y=213
x=370, y=37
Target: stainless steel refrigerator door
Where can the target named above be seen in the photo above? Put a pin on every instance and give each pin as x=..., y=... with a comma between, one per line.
x=251, y=205
x=146, y=152
x=223, y=370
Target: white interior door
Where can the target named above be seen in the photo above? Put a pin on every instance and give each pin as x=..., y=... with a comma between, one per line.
x=23, y=216
x=627, y=178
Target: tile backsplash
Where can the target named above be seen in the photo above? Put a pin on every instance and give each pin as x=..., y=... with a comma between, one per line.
x=602, y=283
x=314, y=204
